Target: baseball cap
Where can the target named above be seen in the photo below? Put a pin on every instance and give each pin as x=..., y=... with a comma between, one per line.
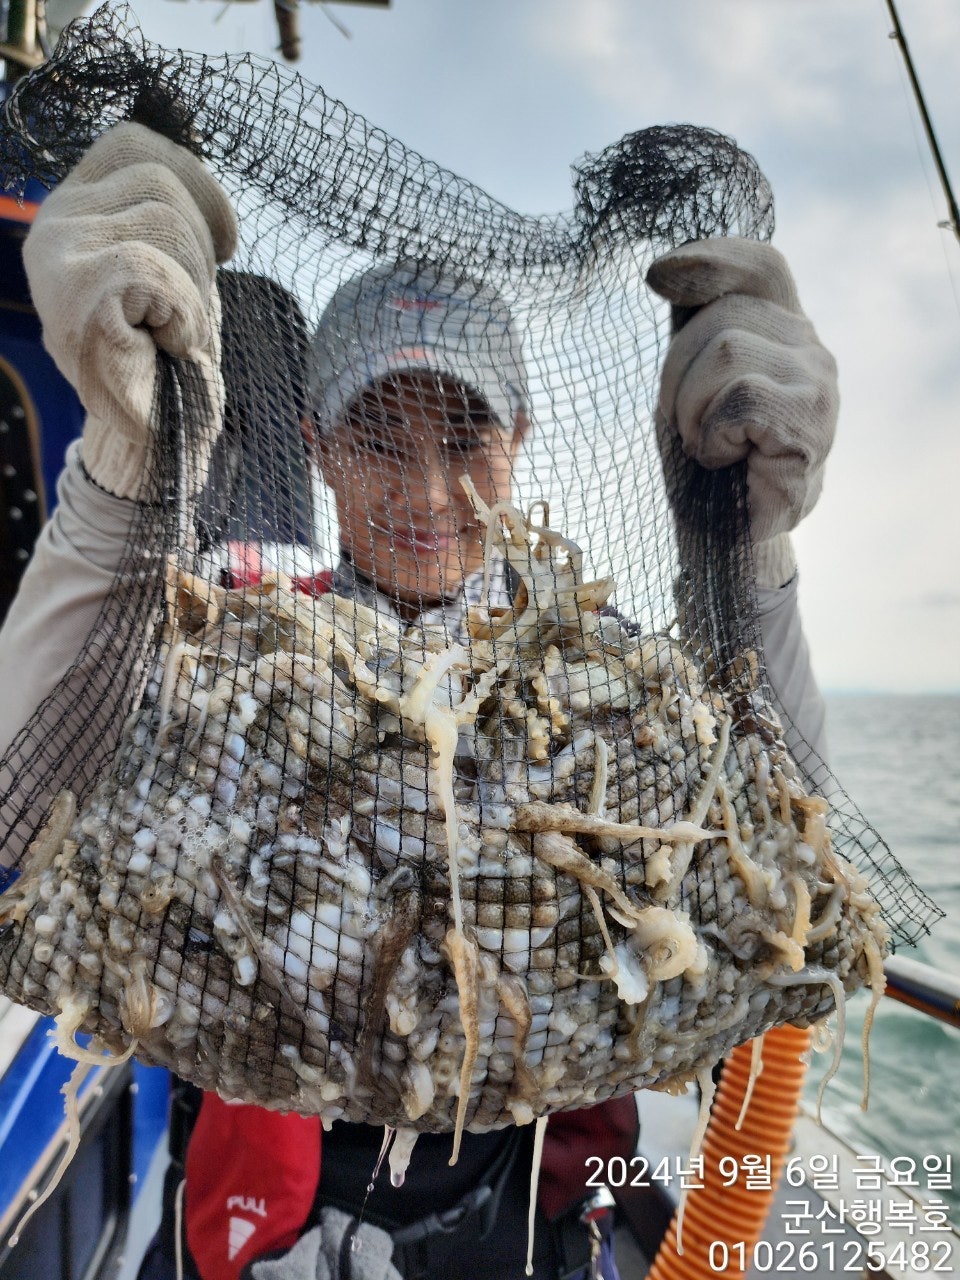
x=408, y=316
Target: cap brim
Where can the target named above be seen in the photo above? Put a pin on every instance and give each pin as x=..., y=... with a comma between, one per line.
x=353, y=382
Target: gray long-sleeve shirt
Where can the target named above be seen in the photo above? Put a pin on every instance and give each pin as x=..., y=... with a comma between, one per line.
x=75, y=563
x=62, y=592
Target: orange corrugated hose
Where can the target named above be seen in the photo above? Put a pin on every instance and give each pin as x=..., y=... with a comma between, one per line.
x=734, y=1215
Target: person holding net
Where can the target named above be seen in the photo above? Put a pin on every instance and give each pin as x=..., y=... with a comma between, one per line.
x=417, y=379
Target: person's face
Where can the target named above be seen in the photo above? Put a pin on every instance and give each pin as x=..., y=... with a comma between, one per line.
x=394, y=463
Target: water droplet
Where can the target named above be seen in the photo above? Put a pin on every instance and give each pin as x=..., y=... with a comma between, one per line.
x=356, y=1244
x=396, y=1179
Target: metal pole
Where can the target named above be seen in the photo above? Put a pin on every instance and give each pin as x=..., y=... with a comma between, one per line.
x=923, y=987
x=288, y=27
x=897, y=34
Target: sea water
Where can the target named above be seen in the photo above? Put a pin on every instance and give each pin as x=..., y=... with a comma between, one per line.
x=898, y=758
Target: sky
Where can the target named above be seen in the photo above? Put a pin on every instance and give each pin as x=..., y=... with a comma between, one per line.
x=511, y=93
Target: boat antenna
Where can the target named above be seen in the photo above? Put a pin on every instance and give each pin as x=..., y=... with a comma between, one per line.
x=897, y=34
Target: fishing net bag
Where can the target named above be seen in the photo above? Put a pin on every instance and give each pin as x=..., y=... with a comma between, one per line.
x=494, y=816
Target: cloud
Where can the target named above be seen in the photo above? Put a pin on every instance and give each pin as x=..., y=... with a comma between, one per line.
x=817, y=82
x=754, y=59
x=940, y=600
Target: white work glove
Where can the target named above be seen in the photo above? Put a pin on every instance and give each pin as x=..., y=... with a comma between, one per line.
x=747, y=378
x=327, y=1252
x=121, y=259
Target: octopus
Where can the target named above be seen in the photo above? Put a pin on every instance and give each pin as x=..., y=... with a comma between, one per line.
x=352, y=868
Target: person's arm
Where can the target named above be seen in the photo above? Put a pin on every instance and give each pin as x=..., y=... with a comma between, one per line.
x=789, y=671
x=121, y=261
x=61, y=594
x=747, y=379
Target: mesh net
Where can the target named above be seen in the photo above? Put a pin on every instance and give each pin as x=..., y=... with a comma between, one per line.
x=387, y=796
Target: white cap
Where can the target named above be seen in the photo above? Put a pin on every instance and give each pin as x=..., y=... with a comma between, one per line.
x=407, y=317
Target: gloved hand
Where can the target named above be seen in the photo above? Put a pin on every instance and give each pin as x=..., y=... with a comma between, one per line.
x=121, y=259
x=333, y=1251
x=747, y=377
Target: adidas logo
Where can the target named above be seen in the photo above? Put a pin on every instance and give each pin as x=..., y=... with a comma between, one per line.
x=238, y=1233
